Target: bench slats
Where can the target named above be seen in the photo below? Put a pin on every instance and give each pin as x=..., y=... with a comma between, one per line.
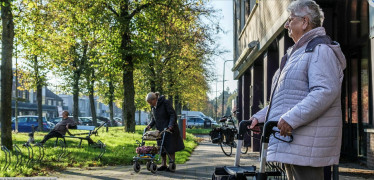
x=90, y=128
x=83, y=136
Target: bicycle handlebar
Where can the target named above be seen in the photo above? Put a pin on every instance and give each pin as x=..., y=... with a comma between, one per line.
x=227, y=119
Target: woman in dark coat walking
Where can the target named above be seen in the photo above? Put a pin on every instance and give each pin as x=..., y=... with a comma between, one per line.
x=164, y=116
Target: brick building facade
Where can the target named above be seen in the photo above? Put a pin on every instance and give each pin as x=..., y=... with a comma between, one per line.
x=260, y=41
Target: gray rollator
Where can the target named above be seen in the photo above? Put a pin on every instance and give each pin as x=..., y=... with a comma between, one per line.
x=241, y=172
x=151, y=155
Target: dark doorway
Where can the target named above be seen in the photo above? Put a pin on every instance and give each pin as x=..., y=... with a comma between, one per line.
x=348, y=24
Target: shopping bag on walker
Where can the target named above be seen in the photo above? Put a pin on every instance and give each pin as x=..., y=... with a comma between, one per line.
x=147, y=150
x=152, y=135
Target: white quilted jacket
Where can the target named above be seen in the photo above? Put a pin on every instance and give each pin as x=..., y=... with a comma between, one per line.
x=307, y=97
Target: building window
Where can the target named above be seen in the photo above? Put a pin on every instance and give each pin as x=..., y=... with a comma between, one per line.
x=365, y=89
x=249, y=5
x=242, y=14
x=27, y=95
x=237, y=16
x=243, y=10
x=252, y=4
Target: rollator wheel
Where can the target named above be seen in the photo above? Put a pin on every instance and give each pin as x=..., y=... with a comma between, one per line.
x=148, y=166
x=172, y=167
x=153, y=168
x=244, y=149
x=136, y=166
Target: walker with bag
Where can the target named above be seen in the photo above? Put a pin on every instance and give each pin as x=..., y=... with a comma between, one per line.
x=151, y=154
x=265, y=170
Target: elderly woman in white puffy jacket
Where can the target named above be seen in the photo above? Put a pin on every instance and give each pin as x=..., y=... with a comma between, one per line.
x=306, y=97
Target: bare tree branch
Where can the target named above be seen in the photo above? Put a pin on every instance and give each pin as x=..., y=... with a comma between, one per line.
x=111, y=9
x=138, y=9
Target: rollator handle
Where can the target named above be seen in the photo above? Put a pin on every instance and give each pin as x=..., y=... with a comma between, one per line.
x=243, y=128
x=268, y=130
x=145, y=129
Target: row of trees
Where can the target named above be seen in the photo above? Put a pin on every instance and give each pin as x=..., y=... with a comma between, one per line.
x=118, y=50
x=214, y=106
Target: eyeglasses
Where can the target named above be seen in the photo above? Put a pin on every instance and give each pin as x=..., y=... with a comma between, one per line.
x=290, y=19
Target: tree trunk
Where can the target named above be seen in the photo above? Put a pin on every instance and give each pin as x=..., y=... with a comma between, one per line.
x=91, y=82
x=6, y=74
x=39, y=94
x=153, y=74
x=128, y=107
x=178, y=108
x=129, y=95
x=39, y=99
x=171, y=99
x=111, y=99
x=111, y=112
x=79, y=65
x=76, y=96
x=92, y=103
x=178, y=105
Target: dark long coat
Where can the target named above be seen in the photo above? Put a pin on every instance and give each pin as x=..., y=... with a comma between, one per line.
x=164, y=116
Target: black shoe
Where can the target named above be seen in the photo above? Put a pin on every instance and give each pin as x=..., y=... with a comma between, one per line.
x=162, y=168
x=168, y=170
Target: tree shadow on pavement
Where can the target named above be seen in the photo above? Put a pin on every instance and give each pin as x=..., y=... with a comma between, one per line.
x=88, y=175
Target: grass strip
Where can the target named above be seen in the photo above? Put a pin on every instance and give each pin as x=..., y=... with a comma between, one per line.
x=120, y=150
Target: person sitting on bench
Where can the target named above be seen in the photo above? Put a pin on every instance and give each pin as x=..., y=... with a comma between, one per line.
x=60, y=129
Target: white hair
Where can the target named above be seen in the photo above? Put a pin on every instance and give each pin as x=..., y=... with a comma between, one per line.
x=152, y=96
x=309, y=8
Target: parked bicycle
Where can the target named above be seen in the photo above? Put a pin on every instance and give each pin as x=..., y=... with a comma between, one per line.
x=225, y=136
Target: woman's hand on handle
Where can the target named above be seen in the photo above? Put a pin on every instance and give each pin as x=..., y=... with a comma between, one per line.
x=284, y=127
x=148, y=127
x=253, y=126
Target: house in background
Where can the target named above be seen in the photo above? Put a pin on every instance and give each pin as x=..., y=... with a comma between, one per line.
x=27, y=102
x=141, y=118
x=85, y=107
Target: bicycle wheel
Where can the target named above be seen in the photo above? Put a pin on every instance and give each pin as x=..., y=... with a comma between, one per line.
x=226, y=148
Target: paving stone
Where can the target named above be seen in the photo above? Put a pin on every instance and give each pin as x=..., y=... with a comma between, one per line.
x=200, y=166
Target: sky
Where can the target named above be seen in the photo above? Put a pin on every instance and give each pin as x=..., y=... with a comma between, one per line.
x=226, y=41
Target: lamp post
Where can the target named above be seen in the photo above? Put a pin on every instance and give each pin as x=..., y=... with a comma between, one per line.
x=216, y=102
x=216, y=98
x=223, y=87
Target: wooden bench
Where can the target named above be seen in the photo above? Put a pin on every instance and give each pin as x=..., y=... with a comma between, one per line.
x=83, y=136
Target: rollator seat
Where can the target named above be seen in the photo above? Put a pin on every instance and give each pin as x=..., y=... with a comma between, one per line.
x=244, y=170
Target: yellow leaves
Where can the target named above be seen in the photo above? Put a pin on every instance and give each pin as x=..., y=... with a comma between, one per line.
x=30, y=4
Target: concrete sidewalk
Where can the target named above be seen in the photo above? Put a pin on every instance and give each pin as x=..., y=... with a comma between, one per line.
x=200, y=166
